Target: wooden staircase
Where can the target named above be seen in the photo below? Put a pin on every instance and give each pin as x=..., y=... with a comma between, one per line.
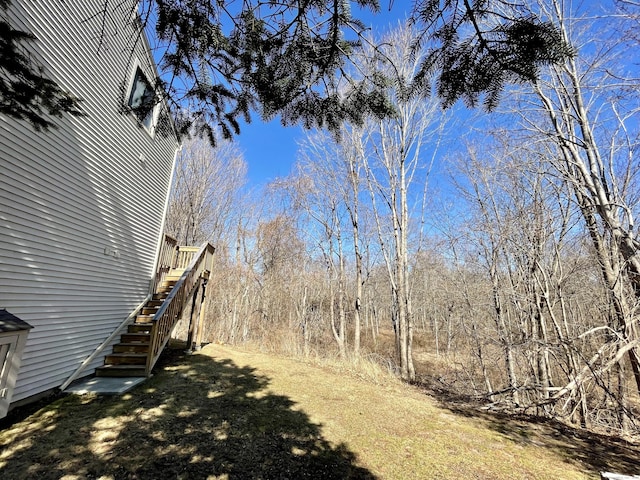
x=130, y=356
x=182, y=272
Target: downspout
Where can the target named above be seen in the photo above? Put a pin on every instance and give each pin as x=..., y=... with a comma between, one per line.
x=164, y=219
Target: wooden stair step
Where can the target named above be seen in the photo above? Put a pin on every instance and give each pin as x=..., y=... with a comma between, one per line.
x=126, y=358
x=135, y=338
x=142, y=319
x=140, y=327
x=129, y=357
x=121, y=371
x=131, y=347
x=167, y=285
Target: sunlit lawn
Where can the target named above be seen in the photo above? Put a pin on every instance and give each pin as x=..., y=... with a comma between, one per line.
x=229, y=413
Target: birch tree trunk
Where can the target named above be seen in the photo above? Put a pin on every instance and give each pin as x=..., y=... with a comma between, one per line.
x=598, y=166
x=392, y=165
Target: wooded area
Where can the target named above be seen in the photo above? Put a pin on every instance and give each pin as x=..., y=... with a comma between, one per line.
x=513, y=280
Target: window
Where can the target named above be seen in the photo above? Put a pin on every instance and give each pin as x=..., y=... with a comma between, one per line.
x=142, y=99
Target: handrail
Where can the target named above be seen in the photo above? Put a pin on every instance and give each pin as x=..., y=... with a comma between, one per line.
x=104, y=344
x=169, y=312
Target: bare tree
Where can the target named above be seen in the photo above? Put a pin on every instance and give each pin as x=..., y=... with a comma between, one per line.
x=393, y=162
x=520, y=220
x=318, y=185
x=586, y=119
x=206, y=192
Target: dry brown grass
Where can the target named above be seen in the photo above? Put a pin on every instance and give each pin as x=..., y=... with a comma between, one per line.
x=239, y=414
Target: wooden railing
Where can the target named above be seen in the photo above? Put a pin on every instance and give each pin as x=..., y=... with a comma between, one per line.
x=169, y=313
x=184, y=256
x=166, y=260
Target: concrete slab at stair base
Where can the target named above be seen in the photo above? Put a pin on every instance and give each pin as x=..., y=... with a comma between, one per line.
x=104, y=385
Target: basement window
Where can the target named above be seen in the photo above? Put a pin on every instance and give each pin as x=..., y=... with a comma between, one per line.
x=142, y=99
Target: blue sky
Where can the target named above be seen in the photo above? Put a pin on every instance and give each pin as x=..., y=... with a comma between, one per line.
x=269, y=148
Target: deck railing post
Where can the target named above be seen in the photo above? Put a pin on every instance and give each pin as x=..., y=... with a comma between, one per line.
x=152, y=341
x=193, y=324
x=202, y=312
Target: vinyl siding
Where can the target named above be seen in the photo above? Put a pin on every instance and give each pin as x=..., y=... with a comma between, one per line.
x=71, y=196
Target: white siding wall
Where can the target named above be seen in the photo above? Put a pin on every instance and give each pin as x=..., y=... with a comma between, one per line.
x=72, y=197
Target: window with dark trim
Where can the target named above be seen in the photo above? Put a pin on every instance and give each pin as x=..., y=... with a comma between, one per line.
x=142, y=99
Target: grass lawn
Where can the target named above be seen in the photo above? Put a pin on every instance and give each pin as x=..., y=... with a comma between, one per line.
x=227, y=413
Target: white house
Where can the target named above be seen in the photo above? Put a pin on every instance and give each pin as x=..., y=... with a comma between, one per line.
x=82, y=206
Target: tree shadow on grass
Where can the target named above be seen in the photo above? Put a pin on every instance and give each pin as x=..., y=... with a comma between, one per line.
x=198, y=417
x=595, y=452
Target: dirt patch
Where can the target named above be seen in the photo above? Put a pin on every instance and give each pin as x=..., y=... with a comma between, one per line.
x=234, y=414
